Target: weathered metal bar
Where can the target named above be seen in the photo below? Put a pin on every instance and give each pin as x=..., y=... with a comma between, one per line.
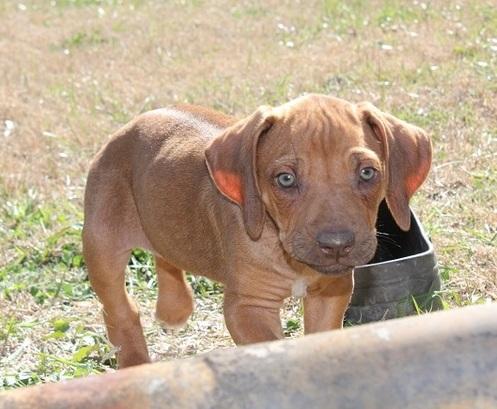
x=441, y=360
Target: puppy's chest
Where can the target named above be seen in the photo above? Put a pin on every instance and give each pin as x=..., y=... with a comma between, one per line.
x=299, y=287
x=271, y=268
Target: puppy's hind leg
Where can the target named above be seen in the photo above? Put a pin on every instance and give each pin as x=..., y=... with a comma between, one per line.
x=106, y=269
x=174, y=299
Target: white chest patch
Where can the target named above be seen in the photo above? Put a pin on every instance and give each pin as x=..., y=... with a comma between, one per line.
x=299, y=288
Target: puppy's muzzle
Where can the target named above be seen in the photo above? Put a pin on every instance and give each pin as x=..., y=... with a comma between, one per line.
x=336, y=244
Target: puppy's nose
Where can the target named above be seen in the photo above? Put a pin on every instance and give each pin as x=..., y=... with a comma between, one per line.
x=335, y=243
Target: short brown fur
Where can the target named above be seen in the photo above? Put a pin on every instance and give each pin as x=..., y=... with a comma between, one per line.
x=203, y=192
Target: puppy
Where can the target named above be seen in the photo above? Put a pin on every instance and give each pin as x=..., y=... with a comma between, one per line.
x=282, y=202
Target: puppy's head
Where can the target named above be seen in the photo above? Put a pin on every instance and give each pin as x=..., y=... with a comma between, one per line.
x=319, y=167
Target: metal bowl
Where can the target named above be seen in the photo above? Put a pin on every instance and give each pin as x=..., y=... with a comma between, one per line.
x=401, y=279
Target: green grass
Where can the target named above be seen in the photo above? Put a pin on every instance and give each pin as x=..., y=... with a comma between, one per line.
x=51, y=274
x=83, y=38
x=93, y=3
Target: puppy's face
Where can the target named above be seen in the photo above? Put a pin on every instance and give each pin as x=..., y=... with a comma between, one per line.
x=321, y=175
x=319, y=168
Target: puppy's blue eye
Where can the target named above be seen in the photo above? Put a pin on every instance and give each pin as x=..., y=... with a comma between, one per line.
x=286, y=180
x=366, y=174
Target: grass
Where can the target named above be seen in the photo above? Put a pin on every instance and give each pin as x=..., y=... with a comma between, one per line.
x=73, y=71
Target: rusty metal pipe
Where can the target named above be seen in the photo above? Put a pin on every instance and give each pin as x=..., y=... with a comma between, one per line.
x=442, y=360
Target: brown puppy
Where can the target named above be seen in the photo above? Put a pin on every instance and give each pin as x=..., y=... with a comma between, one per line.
x=282, y=202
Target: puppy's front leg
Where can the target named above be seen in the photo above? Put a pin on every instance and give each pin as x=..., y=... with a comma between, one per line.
x=250, y=319
x=325, y=304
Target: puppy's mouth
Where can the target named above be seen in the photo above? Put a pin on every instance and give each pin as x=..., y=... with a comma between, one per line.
x=322, y=263
x=334, y=269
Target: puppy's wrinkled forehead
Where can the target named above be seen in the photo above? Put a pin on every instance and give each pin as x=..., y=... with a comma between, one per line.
x=320, y=122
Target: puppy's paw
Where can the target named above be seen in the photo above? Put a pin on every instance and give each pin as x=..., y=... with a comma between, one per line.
x=171, y=324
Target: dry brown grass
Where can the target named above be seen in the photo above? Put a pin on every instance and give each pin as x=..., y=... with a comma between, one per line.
x=73, y=71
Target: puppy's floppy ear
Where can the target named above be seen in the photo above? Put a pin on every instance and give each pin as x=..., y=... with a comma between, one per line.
x=232, y=163
x=407, y=152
